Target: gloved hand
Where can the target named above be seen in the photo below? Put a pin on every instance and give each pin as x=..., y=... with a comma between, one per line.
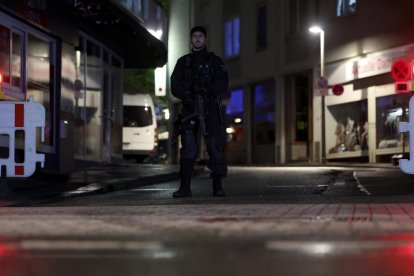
x=188, y=97
x=197, y=90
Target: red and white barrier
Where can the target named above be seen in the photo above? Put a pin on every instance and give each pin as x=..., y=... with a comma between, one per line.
x=25, y=116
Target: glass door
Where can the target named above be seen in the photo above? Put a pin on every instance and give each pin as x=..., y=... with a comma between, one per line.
x=99, y=103
x=107, y=109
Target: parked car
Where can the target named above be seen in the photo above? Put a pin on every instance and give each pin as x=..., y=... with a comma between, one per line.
x=139, y=132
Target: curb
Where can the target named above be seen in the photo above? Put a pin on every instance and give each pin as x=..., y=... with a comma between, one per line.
x=125, y=183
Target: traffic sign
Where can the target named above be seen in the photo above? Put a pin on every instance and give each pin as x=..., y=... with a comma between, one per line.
x=322, y=86
x=400, y=70
x=338, y=89
x=322, y=83
x=403, y=86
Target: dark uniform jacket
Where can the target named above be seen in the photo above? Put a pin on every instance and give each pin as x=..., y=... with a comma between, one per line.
x=188, y=78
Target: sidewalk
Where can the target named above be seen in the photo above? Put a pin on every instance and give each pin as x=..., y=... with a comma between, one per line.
x=97, y=179
x=105, y=178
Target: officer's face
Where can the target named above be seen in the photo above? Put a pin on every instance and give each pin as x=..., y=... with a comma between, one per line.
x=198, y=40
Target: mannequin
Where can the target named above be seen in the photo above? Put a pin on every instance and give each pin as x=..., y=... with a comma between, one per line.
x=350, y=135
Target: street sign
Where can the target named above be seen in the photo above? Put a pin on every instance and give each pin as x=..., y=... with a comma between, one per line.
x=402, y=86
x=400, y=70
x=322, y=83
x=338, y=89
x=322, y=86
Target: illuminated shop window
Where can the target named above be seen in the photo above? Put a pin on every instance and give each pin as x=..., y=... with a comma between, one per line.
x=5, y=53
x=346, y=7
x=232, y=37
x=390, y=112
x=347, y=128
x=11, y=51
x=24, y=53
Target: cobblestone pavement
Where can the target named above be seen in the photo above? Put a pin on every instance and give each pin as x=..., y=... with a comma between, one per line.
x=281, y=220
x=284, y=221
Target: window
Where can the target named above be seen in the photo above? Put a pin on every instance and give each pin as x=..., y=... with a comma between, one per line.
x=347, y=130
x=298, y=16
x=92, y=99
x=27, y=65
x=261, y=31
x=234, y=118
x=137, y=116
x=39, y=83
x=11, y=51
x=16, y=72
x=346, y=7
x=301, y=107
x=264, y=113
x=5, y=53
x=232, y=37
x=391, y=110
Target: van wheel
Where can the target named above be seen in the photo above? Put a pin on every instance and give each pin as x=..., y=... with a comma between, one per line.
x=139, y=159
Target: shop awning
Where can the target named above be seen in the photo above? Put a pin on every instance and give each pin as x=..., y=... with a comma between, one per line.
x=123, y=31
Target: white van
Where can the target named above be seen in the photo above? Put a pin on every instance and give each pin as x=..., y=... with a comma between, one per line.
x=139, y=132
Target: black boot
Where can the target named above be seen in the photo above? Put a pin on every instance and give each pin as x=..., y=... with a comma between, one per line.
x=217, y=188
x=185, y=189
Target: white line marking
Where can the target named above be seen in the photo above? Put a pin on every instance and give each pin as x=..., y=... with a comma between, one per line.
x=339, y=183
x=89, y=245
x=154, y=189
x=330, y=247
x=285, y=186
x=362, y=188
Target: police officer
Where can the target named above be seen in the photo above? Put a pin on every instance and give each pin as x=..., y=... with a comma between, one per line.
x=201, y=73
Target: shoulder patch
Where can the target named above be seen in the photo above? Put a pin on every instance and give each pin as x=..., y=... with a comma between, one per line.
x=223, y=67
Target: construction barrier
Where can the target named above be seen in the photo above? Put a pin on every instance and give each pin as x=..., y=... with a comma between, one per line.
x=22, y=118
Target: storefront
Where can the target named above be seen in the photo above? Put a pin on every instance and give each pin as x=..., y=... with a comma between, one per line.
x=362, y=123
x=70, y=56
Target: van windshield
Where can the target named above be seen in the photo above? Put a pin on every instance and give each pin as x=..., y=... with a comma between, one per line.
x=137, y=116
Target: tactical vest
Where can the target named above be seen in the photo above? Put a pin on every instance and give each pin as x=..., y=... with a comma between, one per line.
x=203, y=75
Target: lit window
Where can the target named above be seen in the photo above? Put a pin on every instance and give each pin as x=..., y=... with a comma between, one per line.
x=299, y=11
x=232, y=37
x=346, y=7
x=234, y=117
x=5, y=53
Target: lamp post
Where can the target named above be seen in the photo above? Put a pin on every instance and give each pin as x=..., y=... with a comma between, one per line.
x=320, y=31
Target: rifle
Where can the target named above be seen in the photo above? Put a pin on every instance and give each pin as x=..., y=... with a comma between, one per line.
x=218, y=103
x=198, y=113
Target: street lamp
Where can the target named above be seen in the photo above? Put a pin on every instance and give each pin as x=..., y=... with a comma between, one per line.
x=320, y=31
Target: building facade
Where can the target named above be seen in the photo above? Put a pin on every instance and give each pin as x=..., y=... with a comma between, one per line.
x=70, y=56
x=275, y=112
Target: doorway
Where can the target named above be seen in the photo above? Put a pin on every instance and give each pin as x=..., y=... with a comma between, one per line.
x=99, y=107
x=298, y=114
x=263, y=122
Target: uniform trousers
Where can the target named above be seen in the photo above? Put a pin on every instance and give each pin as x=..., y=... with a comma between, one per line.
x=214, y=139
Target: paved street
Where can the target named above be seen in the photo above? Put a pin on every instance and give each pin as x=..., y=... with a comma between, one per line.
x=284, y=221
